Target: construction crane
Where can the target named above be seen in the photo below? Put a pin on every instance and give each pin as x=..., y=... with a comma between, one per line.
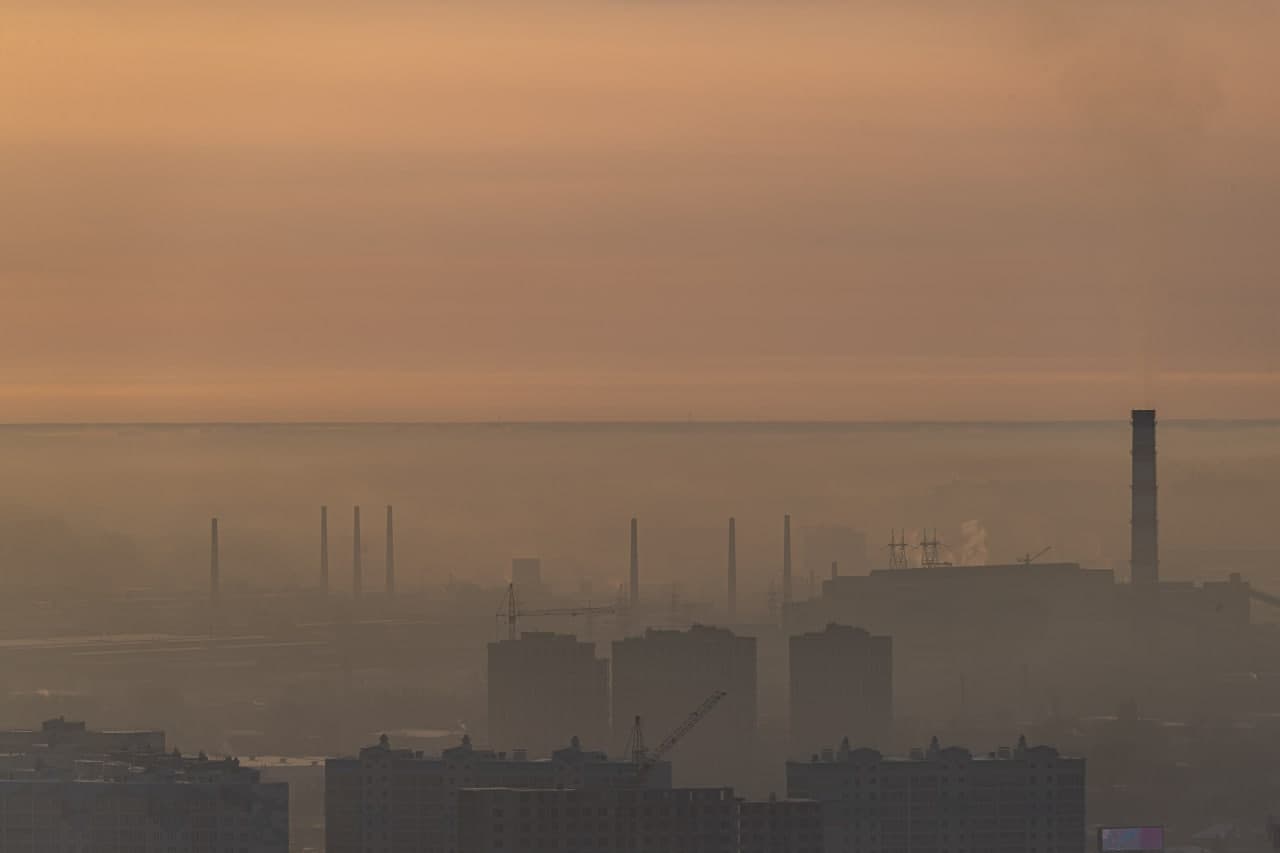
x=644, y=759
x=1028, y=558
x=512, y=614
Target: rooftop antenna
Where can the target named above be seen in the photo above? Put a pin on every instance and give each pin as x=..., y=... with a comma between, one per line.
x=931, y=550
x=898, y=550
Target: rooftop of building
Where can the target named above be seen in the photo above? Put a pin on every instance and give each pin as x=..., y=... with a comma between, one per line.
x=935, y=752
x=571, y=755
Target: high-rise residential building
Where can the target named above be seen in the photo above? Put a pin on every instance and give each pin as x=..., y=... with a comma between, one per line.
x=841, y=686
x=1020, y=800
x=68, y=788
x=400, y=801
x=691, y=820
x=664, y=675
x=545, y=688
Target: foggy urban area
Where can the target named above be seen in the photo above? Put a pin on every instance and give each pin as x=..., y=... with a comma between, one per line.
x=722, y=426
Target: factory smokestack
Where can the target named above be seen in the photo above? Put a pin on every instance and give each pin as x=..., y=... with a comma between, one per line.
x=733, y=570
x=391, y=553
x=213, y=560
x=1144, y=554
x=324, y=549
x=786, y=563
x=357, y=576
x=635, y=564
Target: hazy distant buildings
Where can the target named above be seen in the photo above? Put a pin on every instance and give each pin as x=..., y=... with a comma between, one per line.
x=67, y=788
x=841, y=686
x=400, y=801
x=664, y=675
x=1021, y=800
x=545, y=688
x=697, y=820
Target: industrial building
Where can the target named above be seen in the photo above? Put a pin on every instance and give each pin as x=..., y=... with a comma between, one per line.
x=663, y=675
x=691, y=820
x=841, y=685
x=1020, y=800
x=401, y=801
x=545, y=688
x=67, y=788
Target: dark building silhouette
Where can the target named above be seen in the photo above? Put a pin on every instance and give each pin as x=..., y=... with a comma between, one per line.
x=1020, y=800
x=780, y=826
x=841, y=684
x=694, y=820
x=1144, y=553
x=664, y=675
x=67, y=788
x=400, y=801
x=545, y=688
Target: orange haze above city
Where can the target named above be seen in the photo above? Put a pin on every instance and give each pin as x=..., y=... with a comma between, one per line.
x=638, y=210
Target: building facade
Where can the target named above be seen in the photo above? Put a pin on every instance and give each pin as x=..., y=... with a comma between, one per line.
x=545, y=688
x=675, y=820
x=780, y=826
x=663, y=675
x=841, y=686
x=400, y=801
x=72, y=790
x=1020, y=800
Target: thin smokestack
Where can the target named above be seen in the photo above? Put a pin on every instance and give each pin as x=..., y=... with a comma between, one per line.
x=213, y=560
x=786, y=563
x=324, y=549
x=1144, y=554
x=733, y=569
x=357, y=576
x=635, y=563
x=391, y=553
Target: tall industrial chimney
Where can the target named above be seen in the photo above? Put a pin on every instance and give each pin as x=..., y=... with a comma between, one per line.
x=635, y=564
x=733, y=570
x=324, y=550
x=391, y=554
x=786, y=563
x=213, y=560
x=1144, y=554
x=357, y=577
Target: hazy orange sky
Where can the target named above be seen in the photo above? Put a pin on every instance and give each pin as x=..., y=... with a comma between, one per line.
x=290, y=210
